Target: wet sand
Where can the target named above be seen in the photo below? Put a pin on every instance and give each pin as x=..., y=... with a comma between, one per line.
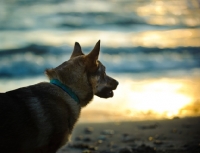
x=178, y=135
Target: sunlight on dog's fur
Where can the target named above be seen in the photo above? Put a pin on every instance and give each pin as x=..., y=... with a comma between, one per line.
x=40, y=118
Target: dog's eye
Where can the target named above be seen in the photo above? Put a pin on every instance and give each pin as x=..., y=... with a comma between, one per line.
x=103, y=75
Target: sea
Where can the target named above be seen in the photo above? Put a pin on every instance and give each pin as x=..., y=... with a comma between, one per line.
x=152, y=47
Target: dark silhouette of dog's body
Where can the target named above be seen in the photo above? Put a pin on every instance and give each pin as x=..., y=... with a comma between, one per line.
x=40, y=118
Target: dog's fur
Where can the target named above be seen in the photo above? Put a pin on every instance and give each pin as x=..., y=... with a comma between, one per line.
x=40, y=118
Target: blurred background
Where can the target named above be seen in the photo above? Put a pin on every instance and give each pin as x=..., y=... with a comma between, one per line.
x=152, y=47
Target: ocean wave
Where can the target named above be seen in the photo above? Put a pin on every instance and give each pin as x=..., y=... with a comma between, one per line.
x=78, y=14
x=34, y=59
x=42, y=50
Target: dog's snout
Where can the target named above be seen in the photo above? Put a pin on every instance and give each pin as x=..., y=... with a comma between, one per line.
x=115, y=83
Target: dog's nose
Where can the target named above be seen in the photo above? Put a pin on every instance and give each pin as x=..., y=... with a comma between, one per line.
x=115, y=83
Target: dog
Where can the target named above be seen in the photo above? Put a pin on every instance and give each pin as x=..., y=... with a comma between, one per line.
x=40, y=118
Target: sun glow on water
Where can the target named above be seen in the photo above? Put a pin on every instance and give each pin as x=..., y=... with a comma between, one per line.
x=159, y=97
x=144, y=100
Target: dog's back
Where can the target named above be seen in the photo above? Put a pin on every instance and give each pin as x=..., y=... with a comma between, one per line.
x=29, y=122
x=12, y=122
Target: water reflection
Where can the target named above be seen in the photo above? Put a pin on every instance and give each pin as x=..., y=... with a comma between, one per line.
x=170, y=38
x=148, y=99
x=153, y=38
x=167, y=13
x=160, y=96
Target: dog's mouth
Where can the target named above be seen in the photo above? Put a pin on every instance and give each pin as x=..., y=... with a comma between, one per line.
x=105, y=93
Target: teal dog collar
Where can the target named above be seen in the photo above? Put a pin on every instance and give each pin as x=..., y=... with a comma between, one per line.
x=65, y=88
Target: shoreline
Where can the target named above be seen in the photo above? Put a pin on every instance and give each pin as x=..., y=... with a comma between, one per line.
x=178, y=135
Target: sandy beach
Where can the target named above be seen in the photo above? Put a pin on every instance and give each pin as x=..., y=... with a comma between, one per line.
x=178, y=135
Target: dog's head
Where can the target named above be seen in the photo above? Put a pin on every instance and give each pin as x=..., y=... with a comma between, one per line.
x=102, y=84
x=85, y=73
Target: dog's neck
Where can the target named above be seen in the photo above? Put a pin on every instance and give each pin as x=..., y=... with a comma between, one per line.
x=66, y=89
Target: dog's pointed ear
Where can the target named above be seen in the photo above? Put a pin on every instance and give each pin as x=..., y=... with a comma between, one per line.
x=92, y=57
x=94, y=54
x=77, y=50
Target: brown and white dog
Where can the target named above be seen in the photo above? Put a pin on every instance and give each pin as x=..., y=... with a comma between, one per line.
x=40, y=118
